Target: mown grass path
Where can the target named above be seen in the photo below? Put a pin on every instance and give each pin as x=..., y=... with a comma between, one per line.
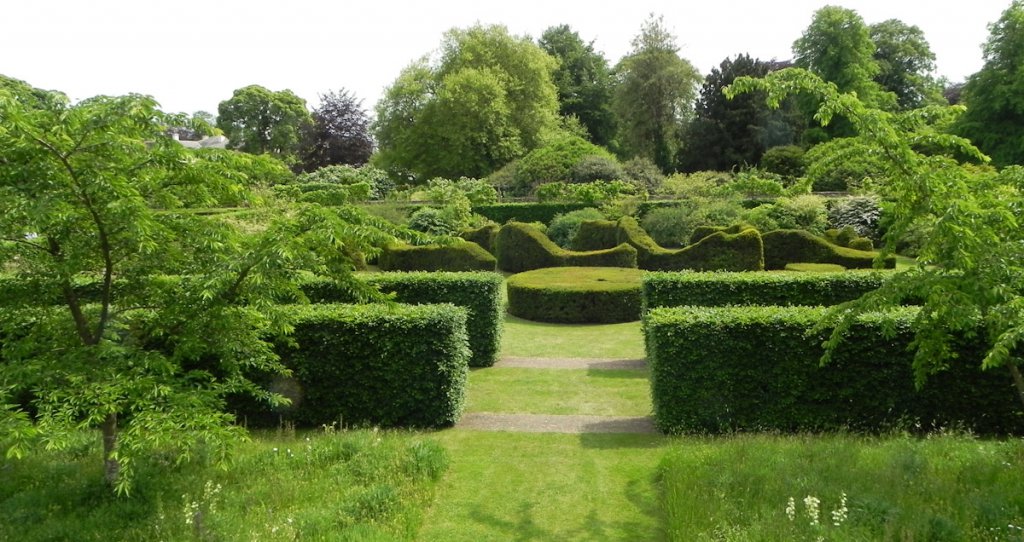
x=555, y=446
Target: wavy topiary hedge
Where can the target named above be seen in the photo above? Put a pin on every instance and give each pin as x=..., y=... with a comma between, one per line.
x=522, y=247
x=721, y=369
x=778, y=288
x=716, y=252
x=483, y=236
x=701, y=232
x=480, y=293
x=798, y=246
x=580, y=295
x=462, y=256
x=595, y=235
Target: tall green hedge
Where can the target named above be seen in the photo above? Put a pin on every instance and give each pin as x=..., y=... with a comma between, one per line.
x=716, y=252
x=779, y=288
x=526, y=212
x=718, y=369
x=480, y=293
x=462, y=256
x=595, y=235
x=701, y=232
x=799, y=246
x=483, y=236
x=386, y=365
x=522, y=247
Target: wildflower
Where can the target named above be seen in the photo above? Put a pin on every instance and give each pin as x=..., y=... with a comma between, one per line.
x=791, y=509
x=813, y=509
x=839, y=514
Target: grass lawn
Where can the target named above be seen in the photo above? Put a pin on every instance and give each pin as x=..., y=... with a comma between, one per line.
x=559, y=391
x=523, y=338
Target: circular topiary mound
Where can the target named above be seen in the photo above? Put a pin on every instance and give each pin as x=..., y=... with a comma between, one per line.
x=576, y=295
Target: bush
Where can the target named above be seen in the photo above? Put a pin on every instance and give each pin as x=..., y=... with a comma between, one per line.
x=580, y=295
x=483, y=236
x=805, y=212
x=779, y=288
x=595, y=235
x=392, y=366
x=753, y=183
x=860, y=213
x=434, y=221
x=597, y=168
x=521, y=247
x=847, y=237
x=704, y=231
x=755, y=368
x=479, y=293
x=668, y=226
x=591, y=193
x=554, y=162
x=787, y=161
x=461, y=256
x=343, y=174
x=327, y=194
x=526, y=212
x=645, y=173
x=716, y=252
x=563, y=228
x=700, y=184
x=782, y=247
x=843, y=164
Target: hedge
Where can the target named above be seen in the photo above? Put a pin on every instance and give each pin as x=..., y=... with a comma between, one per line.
x=757, y=288
x=526, y=212
x=480, y=293
x=716, y=252
x=462, y=256
x=720, y=369
x=595, y=235
x=483, y=236
x=522, y=247
x=701, y=232
x=382, y=365
x=577, y=295
x=799, y=246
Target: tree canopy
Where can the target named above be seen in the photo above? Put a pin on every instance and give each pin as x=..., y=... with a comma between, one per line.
x=906, y=64
x=339, y=133
x=257, y=121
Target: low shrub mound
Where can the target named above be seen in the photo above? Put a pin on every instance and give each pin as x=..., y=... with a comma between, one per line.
x=381, y=365
x=483, y=236
x=777, y=288
x=721, y=369
x=701, y=232
x=716, y=252
x=848, y=237
x=480, y=293
x=521, y=247
x=526, y=212
x=815, y=267
x=578, y=295
x=462, y=256
x=595, y=235
x=798, y=246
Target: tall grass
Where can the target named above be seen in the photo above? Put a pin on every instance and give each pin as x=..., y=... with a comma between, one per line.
x=840, y=487
x=361, y=485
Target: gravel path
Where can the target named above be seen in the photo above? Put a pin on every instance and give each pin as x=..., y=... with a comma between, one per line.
x=550, y=423
x=573, y=363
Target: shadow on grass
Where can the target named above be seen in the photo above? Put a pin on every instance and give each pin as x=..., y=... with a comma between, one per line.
x=626, y=374
x=612, y=441
x=524, y=528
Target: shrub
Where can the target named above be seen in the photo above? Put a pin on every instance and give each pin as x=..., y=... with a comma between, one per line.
x=591, y=193
x=563, y=228
x=595, y=235
x=786, y=160
x=704, y=231
x=716, y=252
x=479, y=293
x=483, y=236
x=779, y=288
x=756, y=368
x=597, y=168
x=862, y=243
x=700, y=184
x=327, y=194
x=521, y=247
x=462, y=256
x=387, y=365
x=860, y=213
x=343, y=174
x=805, y=212
x=754, y=183
x=797, y=246
x=645, y=173
x=526, y=212
x=668, y=226
x=554, y=162
x=843, y=164
x=579, y=295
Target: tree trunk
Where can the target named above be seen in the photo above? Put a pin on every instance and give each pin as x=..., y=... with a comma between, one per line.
x=1018, y=380
x=111, y=466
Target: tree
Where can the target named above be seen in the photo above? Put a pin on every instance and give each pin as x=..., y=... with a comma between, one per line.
x=969, y=274
x=258, y=121
x=137, y=316
x=994, y=96
x=339, y=133
x=906, y=64
x=489, y=99
x=654, y=95
x=584, y=82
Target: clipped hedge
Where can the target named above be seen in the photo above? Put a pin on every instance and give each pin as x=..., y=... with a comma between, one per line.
x=462, y=256
x=595, y=235
x=479, y=293
x=522, y=247
x=755, y=368
x=576, y=295
x=788, y=246
x=382, y=365
x=779, y=288
x=483, y=236
x=716, y=252
x=701, y=232
x=526, y=212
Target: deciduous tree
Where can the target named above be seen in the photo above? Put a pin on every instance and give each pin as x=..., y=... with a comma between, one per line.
x=584, y=82
x=258, y=121
x=339, y=133
x=906, y=64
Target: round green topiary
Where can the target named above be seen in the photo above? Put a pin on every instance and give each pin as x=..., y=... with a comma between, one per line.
x=577, y=295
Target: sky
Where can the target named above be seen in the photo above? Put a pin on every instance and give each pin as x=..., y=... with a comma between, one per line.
x=192, y=54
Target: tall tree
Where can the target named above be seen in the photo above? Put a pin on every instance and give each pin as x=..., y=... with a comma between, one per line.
x=258, y=121
x=994, y=96
x=654, y=95
x=339, y=133
x=489, y=99
x=906, y=64
x=583, y=80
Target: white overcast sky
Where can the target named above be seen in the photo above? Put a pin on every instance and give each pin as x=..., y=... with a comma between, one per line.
x=191, y=54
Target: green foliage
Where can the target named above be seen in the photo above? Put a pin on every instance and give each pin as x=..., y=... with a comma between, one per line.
x=595, y=235
x=753, y=183
x=779, y=288
x=757, y=368
x=815, y=267
x=447, y=192
x=805, y=212
x=338, y=134
x=563, y=227
x=717, y=252
x=844, y=164
x=906, y=64
x=584, y=83
x=483, y=236
x=597, y=168
x=555, y=161
x=344, y=174
x=654, y=94
x=479, y=293
x=785, y=160
x=464, y=256
x=700, y=184
x=259, y=121
x=704, y=231
x=862, y=213
x=581, y=295
x=526, y=212
x=487, y=100
x=522, y=247
x=329, y=194
x=593, y=193
x=644, y=172
x=455, y=200
x=782, y=247
x=669, y=226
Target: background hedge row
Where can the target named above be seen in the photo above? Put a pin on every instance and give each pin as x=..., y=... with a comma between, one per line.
x=480, y=293
x=679, y=289
x=463, y=256
x=718, y=369
x=522, y=247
